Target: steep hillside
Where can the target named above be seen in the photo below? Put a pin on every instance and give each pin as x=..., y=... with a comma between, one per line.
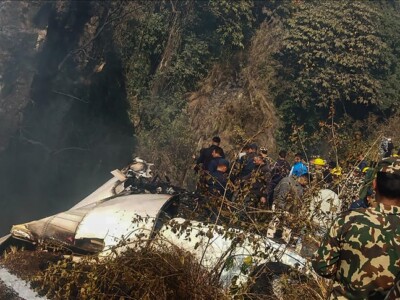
x=86, y=85
x=235, y=101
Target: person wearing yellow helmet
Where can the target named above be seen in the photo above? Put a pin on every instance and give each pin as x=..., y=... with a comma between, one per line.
x=337, y=171
x=396, y=154
x=319, y=162
x=318, y=169
x=362, y=163
x=332, y=174
x=365, y=169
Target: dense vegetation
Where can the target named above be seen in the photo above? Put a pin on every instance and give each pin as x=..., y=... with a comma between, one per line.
x=157, y=79
x=316, y=71
x=310, y=61
x=334, y=55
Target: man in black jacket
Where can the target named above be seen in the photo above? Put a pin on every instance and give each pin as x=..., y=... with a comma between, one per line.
x=205, y=156
x=217, y=184
x=257, y=183
x=247, y=161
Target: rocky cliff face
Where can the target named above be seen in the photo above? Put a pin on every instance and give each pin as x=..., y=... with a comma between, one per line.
x=63, y=120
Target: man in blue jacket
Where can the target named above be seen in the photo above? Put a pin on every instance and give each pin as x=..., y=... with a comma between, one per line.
x=299, y=168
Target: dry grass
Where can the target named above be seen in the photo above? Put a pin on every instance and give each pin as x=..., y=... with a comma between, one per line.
x=144, y=273
x=167, y=273
x=26, y=264
x=305, y=288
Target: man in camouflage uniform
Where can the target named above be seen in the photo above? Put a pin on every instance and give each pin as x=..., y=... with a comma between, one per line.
x=361, y=251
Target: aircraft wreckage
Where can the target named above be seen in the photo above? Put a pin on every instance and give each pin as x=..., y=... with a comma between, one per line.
x=99, y=222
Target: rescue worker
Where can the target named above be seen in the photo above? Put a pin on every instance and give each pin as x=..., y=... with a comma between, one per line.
x=298, y=168
x=368, y=177
x=361, y=251
x=258, y=180
x=336, y=171
x=363, y=202
x=203, y=161
x=362, y=163
x=289, y=191
x=386, y=147
x=318, y=169
x=390, y=148
x=336, y=175
x=264, y=153
x=219, y=178
x=279, y=170
x=206, y=154
x=217, y=155
x=286, y=203
x=247, y=161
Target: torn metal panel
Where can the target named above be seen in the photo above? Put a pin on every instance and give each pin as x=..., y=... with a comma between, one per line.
x=324, y=207
x=105, y=191
x=113, y=220
x=96, y=226
x=131, y=208
x=210, y=249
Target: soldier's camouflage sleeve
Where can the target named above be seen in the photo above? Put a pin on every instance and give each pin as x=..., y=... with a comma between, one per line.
x=325, y=259
x=361, y=252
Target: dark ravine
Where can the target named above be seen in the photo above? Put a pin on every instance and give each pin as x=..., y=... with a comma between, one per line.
x=64, y=133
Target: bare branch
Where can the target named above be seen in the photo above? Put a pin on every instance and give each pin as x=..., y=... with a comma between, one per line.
x=48, y=149
x=33, y=142
x=70, y=96
x=108, y=19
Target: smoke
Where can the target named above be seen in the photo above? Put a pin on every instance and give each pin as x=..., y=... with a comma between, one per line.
x=72, y=126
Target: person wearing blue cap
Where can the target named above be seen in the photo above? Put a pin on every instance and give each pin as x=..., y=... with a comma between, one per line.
x=298, y=168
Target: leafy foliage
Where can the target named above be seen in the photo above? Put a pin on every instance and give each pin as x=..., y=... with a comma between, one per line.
x=167, y=49
x=235, y=19
x=306, y=57
x=333, y=55
x=389, y=27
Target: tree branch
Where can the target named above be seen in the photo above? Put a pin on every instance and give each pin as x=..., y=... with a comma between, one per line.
x=70, y=96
